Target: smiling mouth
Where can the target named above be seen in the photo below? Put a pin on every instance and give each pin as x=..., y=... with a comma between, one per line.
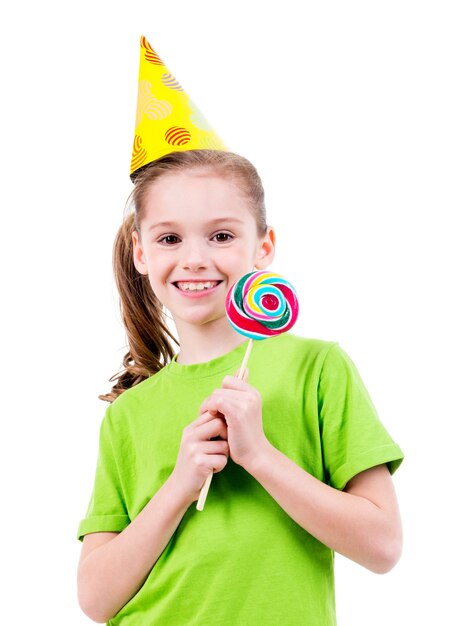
x=198, y=286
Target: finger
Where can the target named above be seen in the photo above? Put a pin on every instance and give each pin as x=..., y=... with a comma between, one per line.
x=210, y=404
x=232, y=407
x=232, y=382
x=215, y=404
x=213, y=412
x=207, y=406
x=217, y=462
x=215, y=428
x=231, y=402
x=217, y=446
x=206, y=416
x=210, y=462
x=229, y=382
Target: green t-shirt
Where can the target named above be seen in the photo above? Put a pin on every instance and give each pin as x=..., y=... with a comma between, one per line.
x=242, y=561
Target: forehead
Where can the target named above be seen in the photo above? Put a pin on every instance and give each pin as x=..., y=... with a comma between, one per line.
x=195, y=194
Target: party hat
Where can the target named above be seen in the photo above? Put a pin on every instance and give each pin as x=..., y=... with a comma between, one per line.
x=167, y=120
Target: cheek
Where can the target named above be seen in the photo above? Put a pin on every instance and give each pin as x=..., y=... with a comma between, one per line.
x=238, y=252
x=157, y=259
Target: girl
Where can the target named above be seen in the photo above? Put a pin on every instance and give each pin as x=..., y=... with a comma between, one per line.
x=302, y=463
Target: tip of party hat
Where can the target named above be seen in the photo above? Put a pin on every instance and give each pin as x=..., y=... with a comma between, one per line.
x=167, y=120
x=150, y=54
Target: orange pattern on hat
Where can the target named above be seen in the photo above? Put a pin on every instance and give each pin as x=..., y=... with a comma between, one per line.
x=149, y=54
x=177, y=136
x=138, y=153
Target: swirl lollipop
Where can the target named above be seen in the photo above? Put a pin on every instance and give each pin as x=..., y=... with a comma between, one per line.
x=259, y=305
x=262, y=304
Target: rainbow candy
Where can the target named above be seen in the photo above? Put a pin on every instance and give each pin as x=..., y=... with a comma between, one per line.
x=262, y=304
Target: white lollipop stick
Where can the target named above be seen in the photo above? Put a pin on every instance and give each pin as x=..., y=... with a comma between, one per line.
x=246, y=358
x=208, y=480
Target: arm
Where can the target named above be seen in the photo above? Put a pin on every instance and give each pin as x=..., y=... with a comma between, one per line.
x=112, y=572
x=113, y=567
x=362, y=522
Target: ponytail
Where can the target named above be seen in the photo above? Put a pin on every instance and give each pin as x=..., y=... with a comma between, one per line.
x=142, y=315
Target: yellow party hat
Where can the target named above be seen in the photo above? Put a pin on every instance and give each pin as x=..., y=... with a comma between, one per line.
x=166, y=118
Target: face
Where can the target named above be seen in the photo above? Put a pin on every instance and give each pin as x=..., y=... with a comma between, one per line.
x=197, y=227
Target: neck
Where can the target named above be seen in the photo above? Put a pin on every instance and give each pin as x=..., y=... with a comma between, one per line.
x=199, y=344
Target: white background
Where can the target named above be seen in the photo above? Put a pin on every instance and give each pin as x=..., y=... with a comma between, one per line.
x=351, y=112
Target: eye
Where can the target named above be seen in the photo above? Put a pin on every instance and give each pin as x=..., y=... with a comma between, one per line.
x=227, y=235
x=167, y=237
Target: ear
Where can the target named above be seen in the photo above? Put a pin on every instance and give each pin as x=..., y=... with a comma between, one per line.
x=138, y=255
x=266, y=250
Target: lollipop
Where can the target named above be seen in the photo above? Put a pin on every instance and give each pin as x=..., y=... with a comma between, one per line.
x=262, y=304
x=259, y=305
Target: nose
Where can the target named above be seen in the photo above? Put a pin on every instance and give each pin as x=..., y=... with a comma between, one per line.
x=194, y=256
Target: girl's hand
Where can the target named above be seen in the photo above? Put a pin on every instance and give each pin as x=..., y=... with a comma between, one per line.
x=198, y=455
x=240, y=405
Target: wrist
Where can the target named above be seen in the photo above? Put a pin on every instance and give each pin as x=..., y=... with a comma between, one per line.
x=259, y=459
x=178, y=492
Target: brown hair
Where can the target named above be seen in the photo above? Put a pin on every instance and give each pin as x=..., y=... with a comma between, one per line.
x=142, y=312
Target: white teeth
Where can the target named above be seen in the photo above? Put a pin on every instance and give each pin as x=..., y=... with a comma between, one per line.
x=196, y=286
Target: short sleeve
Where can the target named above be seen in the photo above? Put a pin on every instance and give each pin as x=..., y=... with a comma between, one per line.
x=106, y=510
x=352, y=435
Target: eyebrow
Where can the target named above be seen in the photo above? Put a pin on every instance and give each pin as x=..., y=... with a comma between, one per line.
x=217, y=220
